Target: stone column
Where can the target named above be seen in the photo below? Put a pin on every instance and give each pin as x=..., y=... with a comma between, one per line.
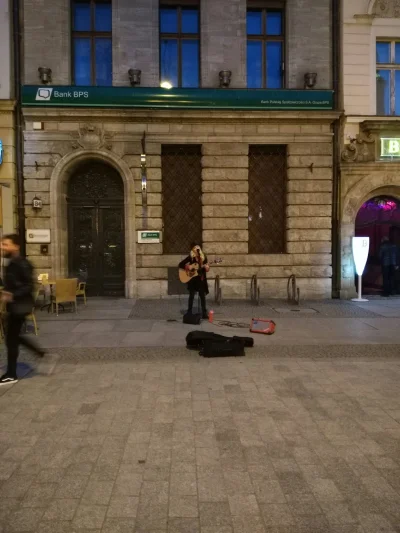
x=225, y=204
x=47, y=40
x=136, y=41
x=223, y=41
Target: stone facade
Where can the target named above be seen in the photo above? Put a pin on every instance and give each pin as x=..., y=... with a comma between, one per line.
x=7, y=126
x=363, y=174
x=50, y=156
x=223, y=41
x=54, y=151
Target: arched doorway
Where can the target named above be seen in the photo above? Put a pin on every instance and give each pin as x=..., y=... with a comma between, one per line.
x=377, y=218
x=96, y=239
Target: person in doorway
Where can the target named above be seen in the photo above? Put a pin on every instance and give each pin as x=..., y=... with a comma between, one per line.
x=387, y=257
x=197, y=283
x=17, y=296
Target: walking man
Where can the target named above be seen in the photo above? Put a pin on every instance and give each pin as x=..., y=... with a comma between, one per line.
x=17, y=296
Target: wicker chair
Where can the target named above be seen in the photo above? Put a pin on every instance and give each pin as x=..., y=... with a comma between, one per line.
x=81, y=290
x=65, y=292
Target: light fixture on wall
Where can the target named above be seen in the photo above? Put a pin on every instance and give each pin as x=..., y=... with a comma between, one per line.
x=225, y=78
x=37, y=203
x=45, y=74
x=166, y=85
x=135, y=75
x=310, y=80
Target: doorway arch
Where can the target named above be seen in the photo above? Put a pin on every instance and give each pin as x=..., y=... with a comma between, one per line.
x=62, y=172
x=96, y=244
x=370, y=184
x=378, y=218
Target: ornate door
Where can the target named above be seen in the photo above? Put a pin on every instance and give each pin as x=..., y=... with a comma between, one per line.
x=96, y=229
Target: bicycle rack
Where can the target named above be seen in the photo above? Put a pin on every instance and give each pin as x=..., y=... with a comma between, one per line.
x=254, y=291
x=217, y=291
x=293, y=291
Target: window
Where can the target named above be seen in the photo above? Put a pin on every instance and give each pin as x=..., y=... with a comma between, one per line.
x=180, y=45
x=267, y=199
x=92, y=42
x=181, y=197
x=265, y=48
x=388, y=78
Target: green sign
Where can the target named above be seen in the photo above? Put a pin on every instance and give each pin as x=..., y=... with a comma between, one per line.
x=390, y=147
x=159, y=98
x=149, y=236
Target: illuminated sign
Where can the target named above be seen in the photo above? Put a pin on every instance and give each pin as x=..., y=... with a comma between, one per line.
x=390, y=147
x=1, y=152
x=360, y=247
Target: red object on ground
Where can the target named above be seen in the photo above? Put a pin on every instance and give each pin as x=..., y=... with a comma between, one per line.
x=211, y=316
x=262, y=325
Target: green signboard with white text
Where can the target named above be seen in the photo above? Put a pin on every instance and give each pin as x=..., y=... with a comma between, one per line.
x=159, y=98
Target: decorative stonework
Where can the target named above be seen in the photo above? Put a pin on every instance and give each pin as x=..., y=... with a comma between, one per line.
x=387, y=8
x=360, y=149
x=91, y=137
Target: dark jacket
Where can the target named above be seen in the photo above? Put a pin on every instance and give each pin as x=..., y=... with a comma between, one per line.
x=198, y=282
x=387, y=254
x=19, y=281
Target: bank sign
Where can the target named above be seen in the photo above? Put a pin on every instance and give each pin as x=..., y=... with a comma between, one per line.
x=390, y=147
x=176, y=98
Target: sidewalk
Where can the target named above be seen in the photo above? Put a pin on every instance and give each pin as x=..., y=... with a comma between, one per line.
x=108, y=323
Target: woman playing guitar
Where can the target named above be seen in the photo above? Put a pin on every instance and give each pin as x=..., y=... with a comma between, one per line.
x=197, y=283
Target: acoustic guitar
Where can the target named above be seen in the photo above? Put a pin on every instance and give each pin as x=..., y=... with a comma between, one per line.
x=186, y=275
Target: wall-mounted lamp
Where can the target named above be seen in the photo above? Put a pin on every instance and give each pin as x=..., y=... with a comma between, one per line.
x=310, y=80
x=134, y=76
x=45, y=74
x=225, y=78
x=37, y=203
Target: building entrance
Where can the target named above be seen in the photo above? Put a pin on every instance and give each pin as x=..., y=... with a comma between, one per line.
x=379, y=219
x=96, y=229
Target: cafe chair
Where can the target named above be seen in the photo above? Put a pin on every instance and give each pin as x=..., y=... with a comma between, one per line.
x=32, y=317
x=65, y=292
x=81, y=290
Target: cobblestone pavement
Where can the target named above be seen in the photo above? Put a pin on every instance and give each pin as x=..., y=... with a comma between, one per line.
x=188, y=445
x=107, y=323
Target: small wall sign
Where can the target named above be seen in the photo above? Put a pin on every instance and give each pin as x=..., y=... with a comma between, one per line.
x=1, y=151
x=149, y=236
x=390, y=147
x=38, y=236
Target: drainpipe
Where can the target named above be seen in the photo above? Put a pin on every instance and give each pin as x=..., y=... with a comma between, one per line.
x=18, y=121
x=337, y=106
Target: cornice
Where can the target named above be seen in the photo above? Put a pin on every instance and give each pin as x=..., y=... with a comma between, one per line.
x=181, y=116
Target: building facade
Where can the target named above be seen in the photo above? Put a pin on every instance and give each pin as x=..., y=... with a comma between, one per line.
x=370, y=166
x=7, y=125
x=233, y=149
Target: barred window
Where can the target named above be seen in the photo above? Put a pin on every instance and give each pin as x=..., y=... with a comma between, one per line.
x=267, y=199
x=181, y=203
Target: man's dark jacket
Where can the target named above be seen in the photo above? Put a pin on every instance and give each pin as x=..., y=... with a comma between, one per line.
x=19, y=281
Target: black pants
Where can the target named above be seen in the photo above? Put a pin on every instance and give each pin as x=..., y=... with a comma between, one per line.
x=14, y=339
x=202, y=295
x=387, y=275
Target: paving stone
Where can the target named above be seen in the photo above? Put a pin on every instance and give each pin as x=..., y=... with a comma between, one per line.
x=248, y=524
x=61, y=509
x=216, y=514
x=118, y=525
x=24, y=519
x=277, y=514
x=89, y=516
x=97, y=492
x=183, y=525
x=123, y=507
x=183, y=506
x=39, y=495
x=72, y=487
x=241, y=504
